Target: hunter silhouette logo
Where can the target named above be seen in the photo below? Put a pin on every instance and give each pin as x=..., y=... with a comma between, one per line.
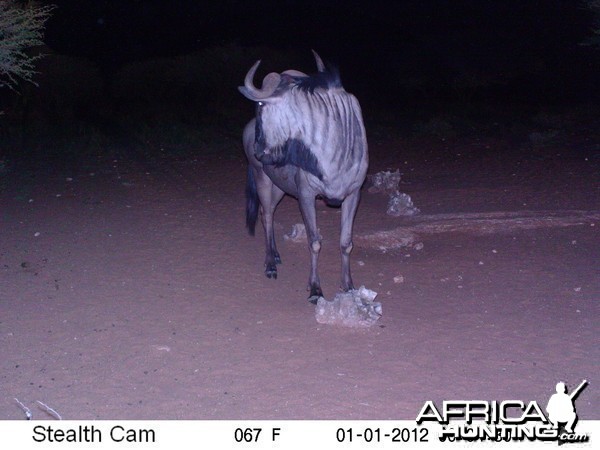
x=508, y=420
x=561, y=409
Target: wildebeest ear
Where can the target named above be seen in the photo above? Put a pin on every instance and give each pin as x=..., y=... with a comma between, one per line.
x=288, y=79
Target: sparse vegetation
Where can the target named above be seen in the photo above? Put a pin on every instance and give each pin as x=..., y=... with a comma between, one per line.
x=21, y=28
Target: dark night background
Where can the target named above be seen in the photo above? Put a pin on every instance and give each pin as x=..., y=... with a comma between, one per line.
x=165, y=72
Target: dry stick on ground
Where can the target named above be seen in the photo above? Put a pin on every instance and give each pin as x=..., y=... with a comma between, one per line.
x=25, y=409
x=45, y=407
x=50, y=411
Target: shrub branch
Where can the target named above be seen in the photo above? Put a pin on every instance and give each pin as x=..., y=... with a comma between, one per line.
x=21, y=28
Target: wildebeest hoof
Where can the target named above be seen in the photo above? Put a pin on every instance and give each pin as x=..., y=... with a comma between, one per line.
x=314, y=299
x=315, y=294
x=271, y=271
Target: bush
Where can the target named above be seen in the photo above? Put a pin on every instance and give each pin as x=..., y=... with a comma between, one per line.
x=21, y=28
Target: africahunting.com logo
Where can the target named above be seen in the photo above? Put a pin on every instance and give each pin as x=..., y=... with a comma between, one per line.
x=509, y=420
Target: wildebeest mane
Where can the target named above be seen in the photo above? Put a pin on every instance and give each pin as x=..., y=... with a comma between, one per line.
x=328, y=79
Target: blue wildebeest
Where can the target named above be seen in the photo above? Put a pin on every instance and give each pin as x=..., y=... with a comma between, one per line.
x=307, y=140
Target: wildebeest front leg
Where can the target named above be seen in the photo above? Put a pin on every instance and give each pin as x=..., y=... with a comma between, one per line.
x=348, y=212
x=309, y=214
x=270, y=195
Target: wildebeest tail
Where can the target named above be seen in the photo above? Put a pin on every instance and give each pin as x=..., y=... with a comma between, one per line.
x=251, y=202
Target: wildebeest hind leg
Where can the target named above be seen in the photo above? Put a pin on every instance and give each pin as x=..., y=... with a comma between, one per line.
x=270, y=195
x=309, y=214
x=348, y=212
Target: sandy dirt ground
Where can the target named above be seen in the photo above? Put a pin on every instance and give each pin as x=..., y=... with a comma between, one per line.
x=129, y=288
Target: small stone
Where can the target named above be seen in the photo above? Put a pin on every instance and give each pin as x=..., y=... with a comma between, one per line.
x=400, y=204
x=385, y=181
x=298, y=234
x=354, y=308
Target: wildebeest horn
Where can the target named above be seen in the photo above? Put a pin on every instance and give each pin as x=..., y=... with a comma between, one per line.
x=319, y=61
x=270, y=83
